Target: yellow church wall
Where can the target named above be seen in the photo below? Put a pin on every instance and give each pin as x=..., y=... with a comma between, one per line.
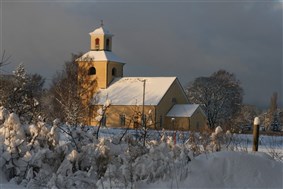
x=119, y=68
x=113, y=113
x=101, y=72
x=166, y=103
x=88, y=84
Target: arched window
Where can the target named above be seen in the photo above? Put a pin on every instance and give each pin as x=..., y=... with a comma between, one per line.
x=107, y=44
x=114, y=72
x=97, y=43
x=91, y=71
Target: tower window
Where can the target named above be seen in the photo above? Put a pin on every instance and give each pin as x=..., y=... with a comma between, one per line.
x=92, y=71
x=107, y=44
x=114, y=72
x=97, y=43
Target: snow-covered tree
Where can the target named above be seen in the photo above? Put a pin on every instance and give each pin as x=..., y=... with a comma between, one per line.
x=23, y=93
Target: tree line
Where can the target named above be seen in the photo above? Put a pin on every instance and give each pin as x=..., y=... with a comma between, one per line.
x=220, y=95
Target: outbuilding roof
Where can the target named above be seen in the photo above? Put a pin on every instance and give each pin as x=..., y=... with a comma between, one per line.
x=100, y=56
x=183, y=110
x=129, y=91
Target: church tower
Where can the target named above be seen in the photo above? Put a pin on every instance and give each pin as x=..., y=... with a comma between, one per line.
x=100, y=63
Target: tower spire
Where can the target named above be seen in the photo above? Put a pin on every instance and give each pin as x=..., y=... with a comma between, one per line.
x=101, y=23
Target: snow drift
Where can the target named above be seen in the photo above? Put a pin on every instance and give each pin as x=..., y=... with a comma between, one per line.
x=229, y=170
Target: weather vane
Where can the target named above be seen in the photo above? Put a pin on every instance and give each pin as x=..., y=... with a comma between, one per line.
x=101, y=23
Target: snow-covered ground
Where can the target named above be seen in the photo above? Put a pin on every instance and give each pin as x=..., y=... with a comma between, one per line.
x=161, y=164
x=228, y=170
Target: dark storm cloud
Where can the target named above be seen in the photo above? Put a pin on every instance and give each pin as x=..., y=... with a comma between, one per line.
x=187, y=40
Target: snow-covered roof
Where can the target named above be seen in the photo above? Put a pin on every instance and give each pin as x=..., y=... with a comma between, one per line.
x=100, y=56
x=129, y=91
x=100, y=31
x=182, y=110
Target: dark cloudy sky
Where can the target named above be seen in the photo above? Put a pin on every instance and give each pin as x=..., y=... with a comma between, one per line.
x=186, y=39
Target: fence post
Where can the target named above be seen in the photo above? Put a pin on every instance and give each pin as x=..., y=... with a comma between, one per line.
x=255, y=134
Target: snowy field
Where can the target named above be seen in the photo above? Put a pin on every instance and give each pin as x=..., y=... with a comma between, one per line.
x=161, y=164
x=242, y=141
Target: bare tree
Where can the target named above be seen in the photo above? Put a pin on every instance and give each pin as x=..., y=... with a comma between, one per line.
x=5, y=60
x=220, y=94
x=5, y=82
x=67, y=90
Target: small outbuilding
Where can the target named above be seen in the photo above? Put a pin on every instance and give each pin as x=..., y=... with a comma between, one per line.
x=186, y=117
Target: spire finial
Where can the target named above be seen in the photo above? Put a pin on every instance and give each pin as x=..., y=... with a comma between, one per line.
x=101, y=24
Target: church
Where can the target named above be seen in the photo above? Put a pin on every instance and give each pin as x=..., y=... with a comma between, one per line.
x=157, y=102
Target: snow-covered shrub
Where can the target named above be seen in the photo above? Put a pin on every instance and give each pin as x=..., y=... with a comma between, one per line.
x=29, y=154
x=13, y=148
x=138, y=164
x=77, y=135
x=42, y=165
x=216, y=139
x=206, y=141
x=53, y=135
x=3, y=115
x=39, y=136
x=273, y=148
x=221, y=140
x=198, y=143
x=83, y=169
x=194, y=144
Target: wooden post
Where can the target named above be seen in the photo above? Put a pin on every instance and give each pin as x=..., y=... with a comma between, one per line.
x=143, y=116
x=256, y=134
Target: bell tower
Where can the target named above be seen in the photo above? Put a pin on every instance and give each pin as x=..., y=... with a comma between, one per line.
x=101, y=39
x=100, y=63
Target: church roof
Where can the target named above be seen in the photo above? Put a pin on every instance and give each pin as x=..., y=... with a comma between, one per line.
x=100, y=56
x=129, y=91
x=182, y=110
x=100, y=31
